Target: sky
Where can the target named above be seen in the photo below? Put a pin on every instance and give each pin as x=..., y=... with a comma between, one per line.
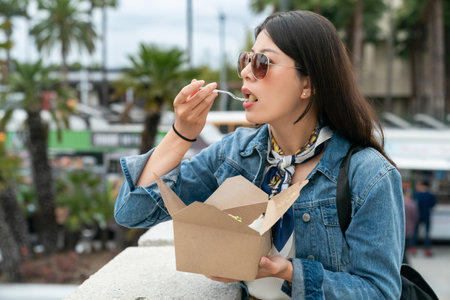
x=160, y=22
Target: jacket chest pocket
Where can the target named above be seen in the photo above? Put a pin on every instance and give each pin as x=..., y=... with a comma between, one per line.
x=318, y=235
x=230, y=168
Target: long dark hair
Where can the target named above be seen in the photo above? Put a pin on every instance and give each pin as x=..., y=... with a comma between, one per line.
x=314, y=44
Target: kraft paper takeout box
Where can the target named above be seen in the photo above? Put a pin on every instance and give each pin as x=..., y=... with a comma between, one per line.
x=208, y=241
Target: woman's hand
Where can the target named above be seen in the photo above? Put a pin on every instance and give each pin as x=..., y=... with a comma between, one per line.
x=191, y=107
x=275, y=266
x=269, y=266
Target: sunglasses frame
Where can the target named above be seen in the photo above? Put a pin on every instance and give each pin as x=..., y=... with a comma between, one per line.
x=250, y=59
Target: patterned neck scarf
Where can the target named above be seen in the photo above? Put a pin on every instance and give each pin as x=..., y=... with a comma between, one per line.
x=279, y=175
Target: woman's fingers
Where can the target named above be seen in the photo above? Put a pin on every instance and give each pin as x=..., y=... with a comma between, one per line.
x=191, y=92
x=188, y=91
x=191, y=107
x=190, y=101
x=200, y=95
x=203, y=107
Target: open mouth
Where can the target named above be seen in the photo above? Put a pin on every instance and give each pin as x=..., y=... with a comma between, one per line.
x=250, y=97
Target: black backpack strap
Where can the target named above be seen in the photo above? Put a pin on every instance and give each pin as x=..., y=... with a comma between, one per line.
x=413, y=284
x=343, y=201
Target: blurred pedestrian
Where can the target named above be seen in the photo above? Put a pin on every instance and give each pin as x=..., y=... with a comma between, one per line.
x=411, y=218
x=425, y=202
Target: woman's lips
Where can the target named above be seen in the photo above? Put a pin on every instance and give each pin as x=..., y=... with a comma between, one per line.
x=248, y=104
x=246, y=92
x=249, y=95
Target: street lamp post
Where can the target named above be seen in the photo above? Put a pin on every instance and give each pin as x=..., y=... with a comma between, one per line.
x=223, y=68
x=189, y=31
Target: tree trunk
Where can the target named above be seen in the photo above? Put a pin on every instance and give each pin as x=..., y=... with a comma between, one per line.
x=104, y=236
x=438, y=58
x=355, y=36
x=120, y=236
x=429, y=66
x=15, y=218
x=390, y=59
x=151, y=126
x=150, y=130
x=417, y=72
x=447, y=64
x=10, y=250
x=42, y=179
x=71, y=239
x=64, y=68
x=447, y=94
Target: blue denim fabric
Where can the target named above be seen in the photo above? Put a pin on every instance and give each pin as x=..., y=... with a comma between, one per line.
x=365, y=265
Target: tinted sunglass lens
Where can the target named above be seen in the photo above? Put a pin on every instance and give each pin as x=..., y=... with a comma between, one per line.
x=260, y=65
x=242, y=62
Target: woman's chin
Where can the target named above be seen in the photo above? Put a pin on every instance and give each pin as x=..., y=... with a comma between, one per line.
x=251, y=118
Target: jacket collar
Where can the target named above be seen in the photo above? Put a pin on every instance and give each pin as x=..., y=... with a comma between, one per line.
x=256, y=142
x=328, y=165
x=331, y=160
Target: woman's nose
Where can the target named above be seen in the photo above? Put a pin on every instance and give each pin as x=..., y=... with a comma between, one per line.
x=246, y=72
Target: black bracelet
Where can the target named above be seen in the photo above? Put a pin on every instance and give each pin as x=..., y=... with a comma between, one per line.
x=181, y=136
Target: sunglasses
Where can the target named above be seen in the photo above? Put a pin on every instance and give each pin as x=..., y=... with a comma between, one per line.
x=259, y=63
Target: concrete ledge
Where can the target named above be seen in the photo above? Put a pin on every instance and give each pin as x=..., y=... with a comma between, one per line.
x=158, y=235
x=149, y=273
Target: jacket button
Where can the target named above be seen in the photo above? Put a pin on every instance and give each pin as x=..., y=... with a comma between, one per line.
x=306, y=217
x=311, y=257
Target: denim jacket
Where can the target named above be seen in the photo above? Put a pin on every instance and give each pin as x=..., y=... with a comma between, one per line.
x=363, y=265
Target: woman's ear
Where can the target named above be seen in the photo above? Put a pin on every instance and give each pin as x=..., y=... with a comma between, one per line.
x=306, y=91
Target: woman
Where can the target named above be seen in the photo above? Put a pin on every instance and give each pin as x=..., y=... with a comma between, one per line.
x=299, y=83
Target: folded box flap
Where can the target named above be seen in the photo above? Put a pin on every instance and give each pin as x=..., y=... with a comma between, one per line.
x=248, y=213
x=236, y=191
x=171, y=200
x=279, y=204
x=209, y=216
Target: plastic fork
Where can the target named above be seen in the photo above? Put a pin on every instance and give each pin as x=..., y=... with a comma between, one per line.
x=229, y=94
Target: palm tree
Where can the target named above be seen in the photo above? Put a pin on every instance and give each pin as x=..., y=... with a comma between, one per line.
x=79, y=191
x=8, y=10
x=103, y=5
x=65, y=24
x=13, y=231
x=33, y=80
x=155, y=75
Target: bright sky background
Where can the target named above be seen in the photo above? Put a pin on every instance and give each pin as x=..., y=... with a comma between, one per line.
x=157, y=21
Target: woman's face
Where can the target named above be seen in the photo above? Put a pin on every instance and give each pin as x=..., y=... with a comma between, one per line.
x=280, y=98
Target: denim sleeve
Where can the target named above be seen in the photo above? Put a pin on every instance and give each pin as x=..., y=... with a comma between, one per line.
x=192, y=180
x=375, y=239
